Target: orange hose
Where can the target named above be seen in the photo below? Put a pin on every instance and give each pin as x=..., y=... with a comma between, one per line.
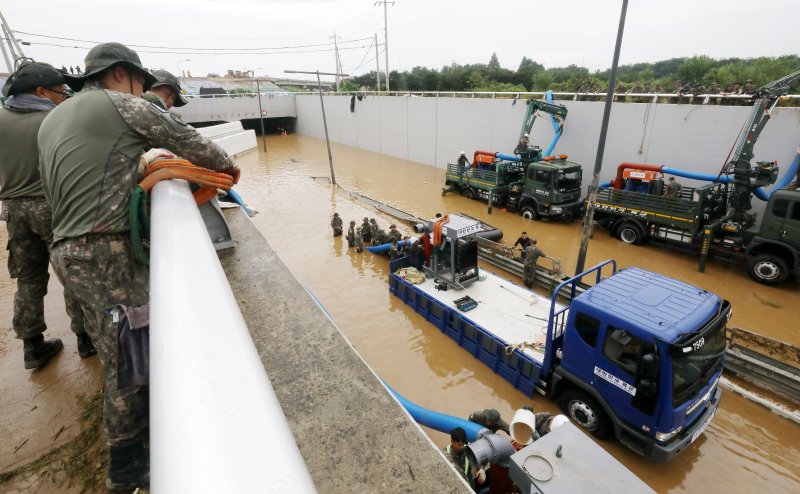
x=167, y=169
x=437, y=229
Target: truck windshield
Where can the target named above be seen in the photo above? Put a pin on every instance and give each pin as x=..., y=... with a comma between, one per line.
x=569, y=180
x=694, y=361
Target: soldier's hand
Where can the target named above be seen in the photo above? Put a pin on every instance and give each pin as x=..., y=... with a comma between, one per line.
x=235, y=172
x=156, y=153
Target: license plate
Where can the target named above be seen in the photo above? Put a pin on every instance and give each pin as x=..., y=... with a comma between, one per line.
x=702, y=428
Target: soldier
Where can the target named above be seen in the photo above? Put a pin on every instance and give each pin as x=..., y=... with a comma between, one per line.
x=490, y=418
x=166, y=92
x=462, y=162
x=32, y=91
x=394, y=234
x=394, y=250
x=524, y=144
x=336, y=224
x=351, y=234
x=714, y=90
x=379, y=236
x=532, y=253
x=90, y=149
x=673, y=188
x=373, y=228
x=359, y=239
x=366, y=230
x=748, y=87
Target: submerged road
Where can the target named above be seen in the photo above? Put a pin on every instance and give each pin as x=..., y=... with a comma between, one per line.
x=745, y=449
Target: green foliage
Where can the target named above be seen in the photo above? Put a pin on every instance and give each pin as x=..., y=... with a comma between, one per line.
x=532, y=76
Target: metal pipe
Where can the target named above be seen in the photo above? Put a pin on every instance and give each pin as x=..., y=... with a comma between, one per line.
x=215, y=422
x=261, y=115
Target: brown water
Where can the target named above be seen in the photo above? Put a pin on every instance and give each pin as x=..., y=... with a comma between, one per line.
x=746, y=448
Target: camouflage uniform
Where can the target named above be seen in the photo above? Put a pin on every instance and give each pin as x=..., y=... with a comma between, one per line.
x=351, y=234
x=359, y=239
x=378, y=237
x=673, y=188
x=366, y=231
x=90, y=148
x=532, y=253
x=28, y=218
x=394, y=234
x=394, y=251
x=336, y=224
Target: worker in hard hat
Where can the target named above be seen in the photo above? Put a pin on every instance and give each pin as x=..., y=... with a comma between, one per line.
x=522, y=147
x=463, y=162
x=546, y=422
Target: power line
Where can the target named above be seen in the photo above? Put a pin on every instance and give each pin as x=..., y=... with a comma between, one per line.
x=205, y=53
x=192, y=48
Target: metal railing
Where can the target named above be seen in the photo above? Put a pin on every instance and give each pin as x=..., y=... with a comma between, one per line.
x=215, y=422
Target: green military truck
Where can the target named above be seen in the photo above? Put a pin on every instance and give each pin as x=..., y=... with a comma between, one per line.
x=546, y=188
x=697, y=218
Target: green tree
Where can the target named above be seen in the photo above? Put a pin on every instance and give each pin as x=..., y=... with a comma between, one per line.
x=494, y=64
x=694, y=69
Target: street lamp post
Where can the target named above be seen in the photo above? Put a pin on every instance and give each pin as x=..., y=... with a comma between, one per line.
x=260, y=108
x=322, y=104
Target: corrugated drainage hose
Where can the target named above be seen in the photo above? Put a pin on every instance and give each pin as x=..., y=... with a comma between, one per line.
x=168, y=169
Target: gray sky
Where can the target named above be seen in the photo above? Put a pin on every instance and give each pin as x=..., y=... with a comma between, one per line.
x=429, y=33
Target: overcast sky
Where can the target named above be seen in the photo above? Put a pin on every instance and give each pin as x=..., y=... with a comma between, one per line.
x=296, y=34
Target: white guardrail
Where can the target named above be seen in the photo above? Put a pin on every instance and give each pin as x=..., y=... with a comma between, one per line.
x=215, y=422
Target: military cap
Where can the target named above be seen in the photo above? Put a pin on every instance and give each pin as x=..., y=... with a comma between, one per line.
x=107, y=55
x=30, y=75
x=365, y=219
x=164, y=78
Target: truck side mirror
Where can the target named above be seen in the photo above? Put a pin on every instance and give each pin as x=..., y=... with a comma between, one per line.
x=648, y=366
x=647, y=387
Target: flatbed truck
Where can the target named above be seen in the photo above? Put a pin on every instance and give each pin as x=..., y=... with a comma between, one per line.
x=637, y=355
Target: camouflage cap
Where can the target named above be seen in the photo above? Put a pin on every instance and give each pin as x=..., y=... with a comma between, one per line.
x=104, y=56
x=30, y=75
x=164, y=78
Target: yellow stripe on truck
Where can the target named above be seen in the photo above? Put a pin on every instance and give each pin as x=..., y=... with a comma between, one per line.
x=645, y=212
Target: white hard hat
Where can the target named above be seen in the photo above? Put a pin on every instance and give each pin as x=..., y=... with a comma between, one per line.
x=462, y=152
x=558, y=421
x=525, y=135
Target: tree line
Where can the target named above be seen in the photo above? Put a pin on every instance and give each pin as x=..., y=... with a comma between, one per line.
x=531, y=76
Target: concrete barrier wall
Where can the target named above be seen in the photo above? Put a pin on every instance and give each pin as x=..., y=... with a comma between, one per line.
x=434, y=130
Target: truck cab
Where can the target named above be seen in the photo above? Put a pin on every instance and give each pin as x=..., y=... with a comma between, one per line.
x=774, y=246
x=551, y=189
x=640, y=359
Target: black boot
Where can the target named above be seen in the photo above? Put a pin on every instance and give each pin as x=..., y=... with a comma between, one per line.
x=129, y=467
x=85, y=346
x=38, y=352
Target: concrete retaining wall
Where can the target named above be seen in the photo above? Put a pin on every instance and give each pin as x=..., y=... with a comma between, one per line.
x=433, y=130
x=226, y=108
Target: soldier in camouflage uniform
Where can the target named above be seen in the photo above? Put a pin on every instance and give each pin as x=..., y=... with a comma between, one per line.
x=166, y=91
x=351, y=234
x=90, y=149
x=359, y=239
x=32, y=91
x=336, y=224
x=532, y=253
x=366, y=230
x=374, y=229
x=394, y=234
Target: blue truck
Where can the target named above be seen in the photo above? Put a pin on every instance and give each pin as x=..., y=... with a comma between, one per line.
x=632, y=353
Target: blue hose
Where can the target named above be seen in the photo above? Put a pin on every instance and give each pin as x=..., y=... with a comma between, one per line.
x=604, y=185
x=507, y=157
x=238, y=200
x=557, y=127
x=439, y=421
x=723, y=179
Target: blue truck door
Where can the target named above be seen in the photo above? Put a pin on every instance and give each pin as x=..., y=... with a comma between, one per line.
x=615, y=376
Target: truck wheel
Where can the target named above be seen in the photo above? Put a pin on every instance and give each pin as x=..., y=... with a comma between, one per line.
x=630, y=234
x=585, y=411
x=768, y=269
x=468, y=193
x=529, y=213
x=568, y=217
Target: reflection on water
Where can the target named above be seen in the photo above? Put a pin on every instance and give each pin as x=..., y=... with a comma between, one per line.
x=746, y=448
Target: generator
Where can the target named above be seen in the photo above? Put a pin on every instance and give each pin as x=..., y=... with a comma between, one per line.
x=454, y=255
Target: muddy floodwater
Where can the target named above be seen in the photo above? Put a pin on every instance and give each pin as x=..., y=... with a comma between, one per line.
x=745, y=449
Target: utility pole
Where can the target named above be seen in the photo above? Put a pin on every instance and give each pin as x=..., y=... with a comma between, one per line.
x=377, y=64
x=601, y=145
x=386, y=36
x=322, y=104
x=337, y=60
